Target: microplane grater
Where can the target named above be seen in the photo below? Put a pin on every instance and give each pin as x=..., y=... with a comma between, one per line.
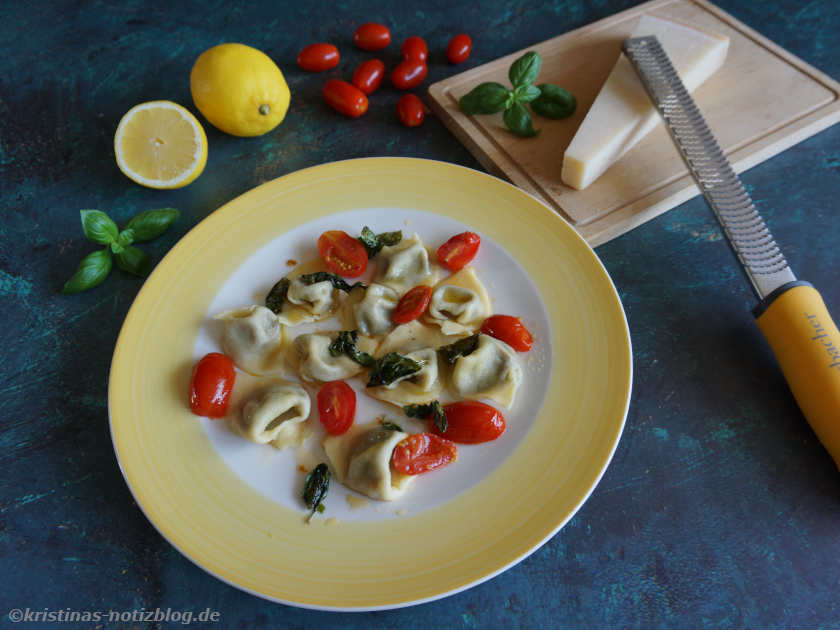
x=760, y=257
x=791, y=314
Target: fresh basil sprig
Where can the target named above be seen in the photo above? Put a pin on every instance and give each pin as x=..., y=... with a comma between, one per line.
x=545, y=99
x=374, y=242
x=433, y=410
x=315, y=489
x=99, y=228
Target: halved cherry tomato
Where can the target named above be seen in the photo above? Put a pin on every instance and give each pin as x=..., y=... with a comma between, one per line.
x=409, y=74
x=211, y=384
x=343, y=254
x=423, y=452
x=336, y=406
x=412, y=305
x=411, y=110
x=459, y=250
x=318, y=57
x=471, y=422
x=372, y=36
x=510, y=330
x=459, y=48
x=368, y=76
x=415, y=48
x=345, y=98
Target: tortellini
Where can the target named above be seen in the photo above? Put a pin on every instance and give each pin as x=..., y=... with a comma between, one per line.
x=361, y=460
x=373, y=313
x=405, y=265
x=419, y=387
x=315, y=363
x=308, y=302
x=490, y=371
x=459, y=303
x=274, y=414
x=253, y=338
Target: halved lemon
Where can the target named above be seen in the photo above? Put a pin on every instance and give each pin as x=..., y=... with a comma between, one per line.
x=160, y=144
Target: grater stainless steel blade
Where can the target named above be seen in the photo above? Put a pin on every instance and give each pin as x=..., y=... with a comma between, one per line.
x=760, y=257
x=791, y=314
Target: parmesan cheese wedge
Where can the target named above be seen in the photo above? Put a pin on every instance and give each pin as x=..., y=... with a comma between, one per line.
x=622, y=113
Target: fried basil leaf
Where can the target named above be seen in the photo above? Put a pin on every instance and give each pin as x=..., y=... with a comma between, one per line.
x=337, y=281
x=275, y=298
x=433, y=410
x=391, y=426
x=374, y=242
x=345, y=343
x=315, y=489
x=389, y=368
x=460, y=348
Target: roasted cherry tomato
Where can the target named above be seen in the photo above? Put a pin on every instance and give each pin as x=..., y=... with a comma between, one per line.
x=411, y=110
x=368, y=76
x=459, y=250
x=343, y=254
x=345, y=98
x=510, y=330
x=211, y=384
x=415, y=48
x=409, y=74
x=336, y=406
x=372, y=36
x=423, y=452
x=471, y=422
x=412, y=305
x=318, y=57
x=459, y=48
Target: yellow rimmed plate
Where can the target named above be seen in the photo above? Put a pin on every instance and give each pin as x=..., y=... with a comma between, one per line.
x=183, y=480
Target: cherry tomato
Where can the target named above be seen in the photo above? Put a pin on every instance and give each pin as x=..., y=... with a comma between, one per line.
x=211, y=384
x=318, y=57
x=372, y=36
x=345, y=98
x=459, y=48
x=343, y=254
x=415, y=48
x=413, y=304
x=510, y=330
x=411, y=110
x=423, y=452
x=471, y=422
x=368, y=76
x=336, y=406
x=409, y=74
x=455, y=253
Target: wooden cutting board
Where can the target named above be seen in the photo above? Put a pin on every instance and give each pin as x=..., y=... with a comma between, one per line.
x=762, y=101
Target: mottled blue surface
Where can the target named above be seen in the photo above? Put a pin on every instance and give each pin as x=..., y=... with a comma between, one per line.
x=720, y=508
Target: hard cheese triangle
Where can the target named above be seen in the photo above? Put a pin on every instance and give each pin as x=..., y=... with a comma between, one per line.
x=622, y=113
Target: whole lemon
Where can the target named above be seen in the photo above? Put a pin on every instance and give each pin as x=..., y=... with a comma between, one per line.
x=239, y=89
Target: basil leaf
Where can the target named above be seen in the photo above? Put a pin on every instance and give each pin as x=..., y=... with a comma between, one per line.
x=554, y=102
x=93, y=269
x=126, y=237
x=460, y=348
x=117, y=247
x=389, y=368
x=345, y=343
x=518, y=120
x=98, y=227
x=337, y=281
x=275, y=298
x=526, y=93
x=487, y=98
x=433, y=410
x=134, y=260
x=375, y=242
x=524, y=70
x=151, y=223
x=391, y=426
x=315, y=489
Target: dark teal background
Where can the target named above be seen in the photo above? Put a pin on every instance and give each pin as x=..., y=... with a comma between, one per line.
x=720, y=508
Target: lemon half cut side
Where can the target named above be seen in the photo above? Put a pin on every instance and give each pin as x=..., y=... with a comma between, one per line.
x=160, y=144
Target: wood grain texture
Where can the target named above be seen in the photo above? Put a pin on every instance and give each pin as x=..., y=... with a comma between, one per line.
x=761, y=102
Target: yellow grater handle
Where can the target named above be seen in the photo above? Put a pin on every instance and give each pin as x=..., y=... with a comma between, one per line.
x=806, y=342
